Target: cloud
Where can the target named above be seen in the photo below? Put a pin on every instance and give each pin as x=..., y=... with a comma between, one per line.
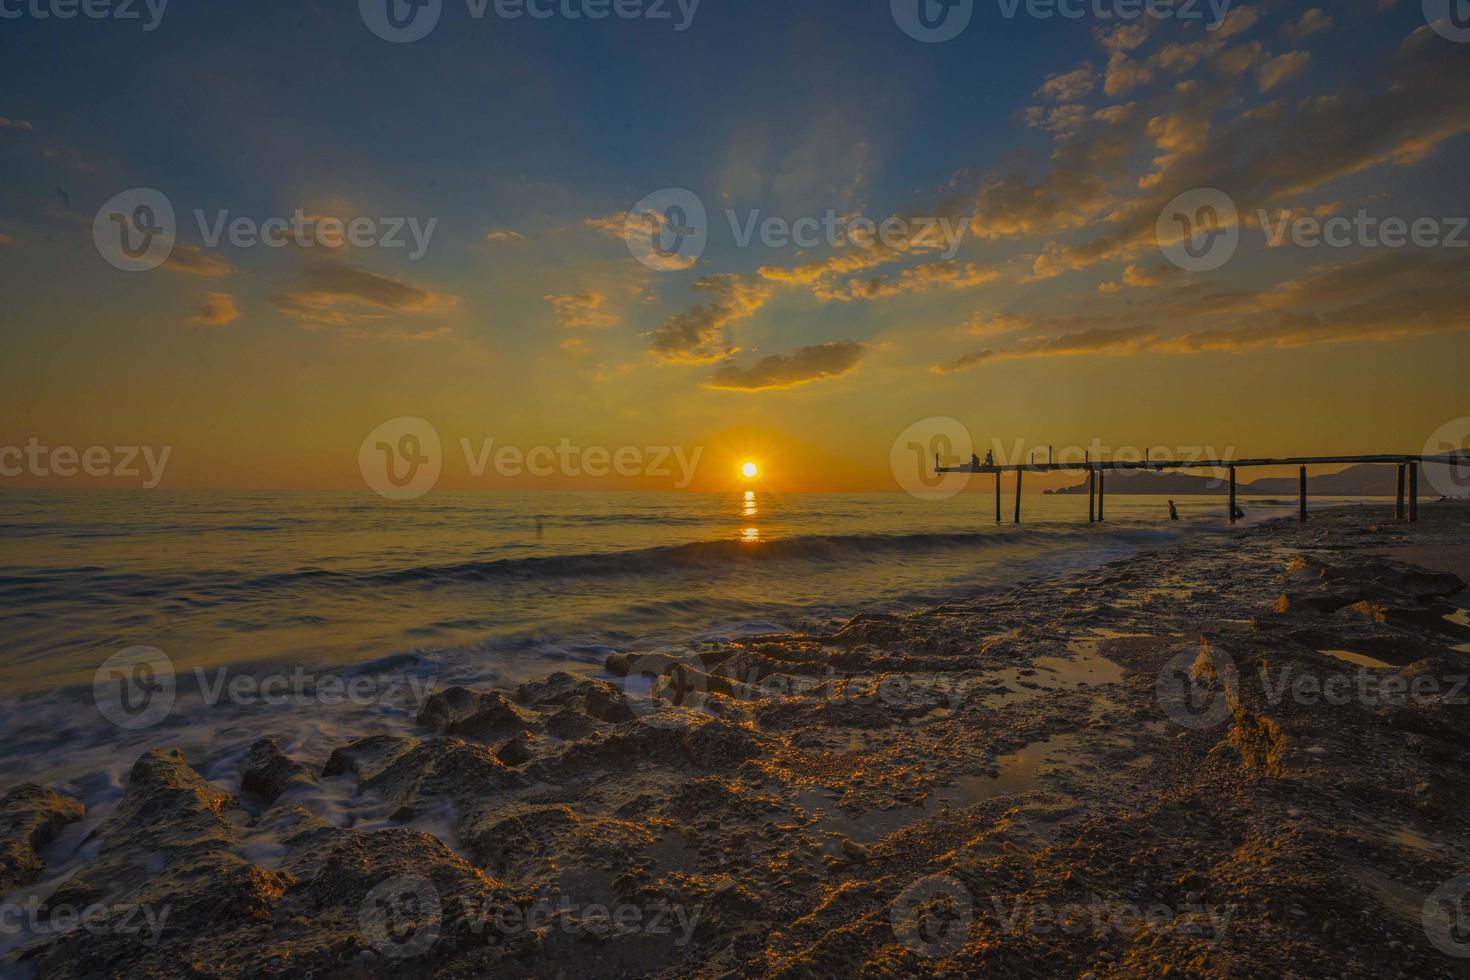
x=582, y=310
x=697, y=336
x=964, y=362
x=217, y=310
x=1238, y=21
x=1072, y=86
x=336, y=294
x=802, y=366
x=922, y=278
x=1384, y=297
x=1056, y=119
x=1283, y=68
x=855, y=259
x=1138, y=277
x=1312, y=22
x=504, y=235
x=6, y=239
x=19, y=124
x=1279, y=150
x=1124, y=74
x=192, y=261
x=1126, y=36
x=642, y=230
x=1240, y=59
x=981, y=325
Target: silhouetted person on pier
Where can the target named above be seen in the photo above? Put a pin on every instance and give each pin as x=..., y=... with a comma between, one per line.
x=990, y=458
x=1173, y=511
x=974, y=462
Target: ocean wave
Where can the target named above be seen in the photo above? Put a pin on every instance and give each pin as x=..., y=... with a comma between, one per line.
x=703, y=555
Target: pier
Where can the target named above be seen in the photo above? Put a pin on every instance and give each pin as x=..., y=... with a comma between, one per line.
x=1406, y=508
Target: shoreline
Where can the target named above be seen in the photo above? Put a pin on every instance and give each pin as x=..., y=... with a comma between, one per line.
x=1014, y=782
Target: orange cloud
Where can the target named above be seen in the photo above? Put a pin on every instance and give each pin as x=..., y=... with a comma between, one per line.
x=697, y=336
x=802, y=366
x=336, y=294
x=217, y=310
x=585, y=309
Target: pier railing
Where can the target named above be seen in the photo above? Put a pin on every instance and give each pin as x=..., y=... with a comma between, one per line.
x=1408, y=476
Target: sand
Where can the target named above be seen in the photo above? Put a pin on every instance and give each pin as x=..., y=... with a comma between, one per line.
x=1152, y=769
x=1443, y=557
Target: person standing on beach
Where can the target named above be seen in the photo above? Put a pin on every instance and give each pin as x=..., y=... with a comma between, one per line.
x=1173, y=511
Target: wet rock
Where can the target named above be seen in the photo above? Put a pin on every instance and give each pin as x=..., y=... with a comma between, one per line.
x=619, y=664
x=297, y=837
x=571, y=724
x=30, y=817
x=870, y=628
x=170, y=848
x=479, y=715
x=442, y=769
x=368, y=756
x=557, y=689
x=506, y=840
x=392, y=897
x=597, y=699
x=444, y=708
x=516, y=751
x=269, y=772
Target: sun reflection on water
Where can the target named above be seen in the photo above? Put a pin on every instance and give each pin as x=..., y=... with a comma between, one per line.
x=749, y=510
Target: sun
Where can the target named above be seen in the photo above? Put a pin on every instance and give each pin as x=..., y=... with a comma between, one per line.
x=749, y=470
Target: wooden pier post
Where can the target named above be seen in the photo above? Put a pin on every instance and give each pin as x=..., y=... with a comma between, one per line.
x=1232, y=495
x=1018, y=495
x=1413, y=493
x=1102, y=494
x=1304, y=495
x=1091, y=496
x=1399, y=512
x=997, y=496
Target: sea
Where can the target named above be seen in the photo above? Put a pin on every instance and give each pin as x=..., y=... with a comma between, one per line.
x=204, y=621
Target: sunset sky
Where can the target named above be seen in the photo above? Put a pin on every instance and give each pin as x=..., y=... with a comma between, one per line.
x=1058, y=321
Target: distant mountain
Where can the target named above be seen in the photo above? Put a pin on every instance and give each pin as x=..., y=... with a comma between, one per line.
x=1363, y=480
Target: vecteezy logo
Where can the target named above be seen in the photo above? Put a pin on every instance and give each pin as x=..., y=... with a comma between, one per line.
x=1199, y=230
x=1447, y=917
x=400, y=917
x=1449, y=18
x=135, y=230
x=932, y=917
x=400, y=21
x=401, y=459
x=134, y=688
x=917, y=450
x=668, y=230
x=1449, y=479
x=656, y=680
x=1196, y=686
x=933, y=21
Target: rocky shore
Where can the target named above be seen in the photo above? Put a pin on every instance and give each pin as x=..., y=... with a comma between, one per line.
x=1241, y=755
